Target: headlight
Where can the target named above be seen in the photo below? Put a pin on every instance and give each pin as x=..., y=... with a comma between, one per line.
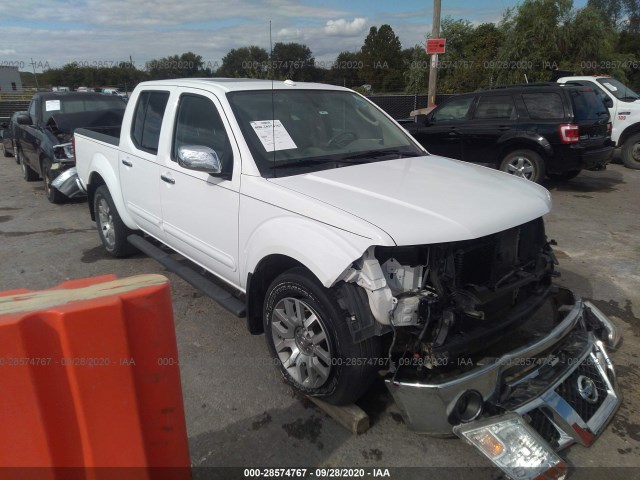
x=64, y=151
x=514, y=446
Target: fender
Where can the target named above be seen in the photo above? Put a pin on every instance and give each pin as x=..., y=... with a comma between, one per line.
x=325, y=250
x=627, y=132
x=533, y=139
x=100, y=165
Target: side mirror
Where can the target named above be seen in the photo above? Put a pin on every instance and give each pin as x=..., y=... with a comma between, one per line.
x=200, y=158
x=422, y=119
x=608, y=102
x=24, y=119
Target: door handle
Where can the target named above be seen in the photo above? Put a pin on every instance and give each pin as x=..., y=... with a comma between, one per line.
x=168, y=179
x=127, y=163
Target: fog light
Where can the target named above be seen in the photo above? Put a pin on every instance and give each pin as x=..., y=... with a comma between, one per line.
x=468, y=407
x=513, y=446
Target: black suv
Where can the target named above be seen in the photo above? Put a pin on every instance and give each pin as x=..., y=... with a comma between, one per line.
x=529, y=130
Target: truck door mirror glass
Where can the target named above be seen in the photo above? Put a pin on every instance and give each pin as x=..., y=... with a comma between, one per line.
x=24, y=119
x=608, y=102
x=422, y=119
x=200, y=158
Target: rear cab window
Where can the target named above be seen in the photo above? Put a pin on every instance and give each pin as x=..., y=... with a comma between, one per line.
x=147, y=120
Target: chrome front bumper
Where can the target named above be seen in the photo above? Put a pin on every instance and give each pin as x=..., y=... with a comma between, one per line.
x=563, y=384
x=69, y=183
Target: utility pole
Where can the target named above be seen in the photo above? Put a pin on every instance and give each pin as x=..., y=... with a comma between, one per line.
x=433, y=70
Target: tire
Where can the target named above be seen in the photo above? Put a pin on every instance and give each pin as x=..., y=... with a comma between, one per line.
x=631, y=152
x=525, y=164
x=111, y=229
x=339, y=372
x=27, y=172
x=564, y=176
x=52, y=193
x=5, y=154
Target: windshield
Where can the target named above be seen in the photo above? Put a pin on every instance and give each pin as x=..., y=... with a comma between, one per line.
x=76, y=105
x=618, y=89
x=291, y=132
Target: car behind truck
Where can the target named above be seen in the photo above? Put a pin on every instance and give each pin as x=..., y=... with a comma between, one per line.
x=354, y=251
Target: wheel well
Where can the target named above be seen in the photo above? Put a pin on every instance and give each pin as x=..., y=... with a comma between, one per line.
x=257, y=284
x=629, y=131
x=95, y=180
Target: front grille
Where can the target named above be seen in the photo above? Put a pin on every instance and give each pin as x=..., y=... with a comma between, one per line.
x=541, y=424
x=569, y=389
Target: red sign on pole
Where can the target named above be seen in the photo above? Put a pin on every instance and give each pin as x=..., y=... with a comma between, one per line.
x=436, y=45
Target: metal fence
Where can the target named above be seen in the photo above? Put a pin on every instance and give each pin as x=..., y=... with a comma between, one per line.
x=400, y=106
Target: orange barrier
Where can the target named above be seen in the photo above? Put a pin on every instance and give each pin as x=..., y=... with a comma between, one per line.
x=89, y=378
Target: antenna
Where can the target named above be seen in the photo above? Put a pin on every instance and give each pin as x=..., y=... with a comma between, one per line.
x=273, y=108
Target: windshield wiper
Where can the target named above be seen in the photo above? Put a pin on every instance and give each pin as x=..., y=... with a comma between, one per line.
x=304, y=163
x=374, y=154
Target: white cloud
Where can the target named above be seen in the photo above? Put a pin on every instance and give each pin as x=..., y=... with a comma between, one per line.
x=345, y=28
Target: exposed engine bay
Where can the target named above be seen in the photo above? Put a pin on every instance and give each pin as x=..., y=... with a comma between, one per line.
x=445, y=300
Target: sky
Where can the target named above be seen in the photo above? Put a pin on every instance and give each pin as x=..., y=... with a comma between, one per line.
x=51, y=33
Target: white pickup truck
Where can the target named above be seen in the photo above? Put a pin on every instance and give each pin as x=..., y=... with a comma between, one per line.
x=355, y=251
x=624, y=111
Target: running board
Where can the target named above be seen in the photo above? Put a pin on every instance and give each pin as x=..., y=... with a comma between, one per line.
x=199, y=281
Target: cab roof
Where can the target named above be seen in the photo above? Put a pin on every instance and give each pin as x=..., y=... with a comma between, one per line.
x=226, y=85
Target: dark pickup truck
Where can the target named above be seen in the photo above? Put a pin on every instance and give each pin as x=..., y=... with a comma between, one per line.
x=44, y=136
x=530, y=131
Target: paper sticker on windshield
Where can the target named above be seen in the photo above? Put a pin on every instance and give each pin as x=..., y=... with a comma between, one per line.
x=51, y=105
x=613, y=88
x=273, y=135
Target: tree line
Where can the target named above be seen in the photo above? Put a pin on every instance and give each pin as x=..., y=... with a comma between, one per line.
x=529, y=43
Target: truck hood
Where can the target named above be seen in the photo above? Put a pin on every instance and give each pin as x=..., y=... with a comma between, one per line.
x=427, y=199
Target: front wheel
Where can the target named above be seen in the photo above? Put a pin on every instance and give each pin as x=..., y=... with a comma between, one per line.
x=631, y=152
x=308, y=337
x=525, y=164
x=112, y=230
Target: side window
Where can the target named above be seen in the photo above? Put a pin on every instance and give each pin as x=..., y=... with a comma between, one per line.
x=147, y=120
x=198, y=123
x=495, y=107
x=456, y=109
x=543, y=106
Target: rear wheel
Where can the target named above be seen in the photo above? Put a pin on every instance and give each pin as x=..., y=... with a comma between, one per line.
x=308, y=337
x=52, y=193
x=564, y=176
x=112, y=230
x=27, y=172
x=15, y=152
x=525, y=164
x=631, y=152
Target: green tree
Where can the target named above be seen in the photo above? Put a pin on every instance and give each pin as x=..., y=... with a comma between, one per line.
x=177, y=66
x=250, y=62
x=381, y=57
x=293, y=61
x=345, y=69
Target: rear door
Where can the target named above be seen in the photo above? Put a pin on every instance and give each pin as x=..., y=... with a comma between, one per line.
x=494, y=117
x=31, y=136
x=138, y=161
x=442, y=134
x=200, y=211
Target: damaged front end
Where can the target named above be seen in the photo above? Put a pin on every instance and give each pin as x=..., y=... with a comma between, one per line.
x=483, y=345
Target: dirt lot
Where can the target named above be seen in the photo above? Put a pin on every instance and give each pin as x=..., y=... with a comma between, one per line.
x=239, y=413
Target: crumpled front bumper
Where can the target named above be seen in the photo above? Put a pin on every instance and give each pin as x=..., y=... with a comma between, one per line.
x=562, y=384
x=69, y=183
